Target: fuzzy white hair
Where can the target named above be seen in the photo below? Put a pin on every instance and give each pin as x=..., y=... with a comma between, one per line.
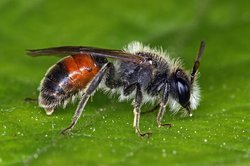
x=135, y=47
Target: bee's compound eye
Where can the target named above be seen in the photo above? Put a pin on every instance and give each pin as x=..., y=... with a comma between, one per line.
x=183, y=92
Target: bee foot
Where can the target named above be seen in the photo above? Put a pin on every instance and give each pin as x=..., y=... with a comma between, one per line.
x=147, y=134
x=169, y=125
x=65, y=131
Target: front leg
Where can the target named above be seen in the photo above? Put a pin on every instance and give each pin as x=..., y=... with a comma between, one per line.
x=137, y=112
x=163, y=105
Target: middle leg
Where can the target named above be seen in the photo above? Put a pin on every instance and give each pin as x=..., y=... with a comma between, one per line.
x=137, y=112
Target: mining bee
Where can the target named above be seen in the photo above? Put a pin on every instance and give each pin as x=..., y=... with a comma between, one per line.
x=136, y=72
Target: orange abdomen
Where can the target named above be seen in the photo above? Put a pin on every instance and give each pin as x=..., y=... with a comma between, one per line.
x=65, y=79
x=81, y=69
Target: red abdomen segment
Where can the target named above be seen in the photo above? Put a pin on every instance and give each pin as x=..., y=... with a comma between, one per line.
x=65, y=79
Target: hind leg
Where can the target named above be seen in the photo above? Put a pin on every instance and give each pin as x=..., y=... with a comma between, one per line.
x=89, y=91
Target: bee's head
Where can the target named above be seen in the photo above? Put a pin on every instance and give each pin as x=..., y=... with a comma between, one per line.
x=184, y=87
x=181, y=86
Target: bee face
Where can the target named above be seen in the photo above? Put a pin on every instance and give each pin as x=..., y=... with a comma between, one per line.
x=181, y=88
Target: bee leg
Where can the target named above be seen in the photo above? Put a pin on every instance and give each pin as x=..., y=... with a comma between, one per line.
x=29, y=99
x=137, y=111
x=160, y=116
x=89, y=91
x=163, y=105
x=152, y=109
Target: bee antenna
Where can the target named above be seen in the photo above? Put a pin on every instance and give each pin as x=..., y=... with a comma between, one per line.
x=197, y=60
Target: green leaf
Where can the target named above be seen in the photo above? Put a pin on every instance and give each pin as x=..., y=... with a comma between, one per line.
x=217, y=134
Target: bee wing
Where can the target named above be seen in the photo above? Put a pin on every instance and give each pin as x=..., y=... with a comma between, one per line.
x=72, y=50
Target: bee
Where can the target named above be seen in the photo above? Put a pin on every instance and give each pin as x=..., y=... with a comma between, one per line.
x=136, y=72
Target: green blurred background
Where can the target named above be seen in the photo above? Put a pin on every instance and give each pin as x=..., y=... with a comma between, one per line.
x=217, y=134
